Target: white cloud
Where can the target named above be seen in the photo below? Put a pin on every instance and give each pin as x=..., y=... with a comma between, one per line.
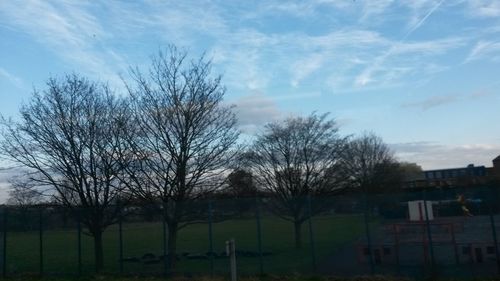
x=5, y=175
x=432, y=155
x=253, y=111
x=257, y=109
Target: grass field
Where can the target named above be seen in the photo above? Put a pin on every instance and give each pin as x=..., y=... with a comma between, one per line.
x=61, y=255
x=220, y=278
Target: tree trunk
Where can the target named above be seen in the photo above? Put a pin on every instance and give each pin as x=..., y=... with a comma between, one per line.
x=298, y=234
x=98, y=252
x=172, y=245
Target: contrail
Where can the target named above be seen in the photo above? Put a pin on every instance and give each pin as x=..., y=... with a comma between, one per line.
x=364, y=77
x=418, y=24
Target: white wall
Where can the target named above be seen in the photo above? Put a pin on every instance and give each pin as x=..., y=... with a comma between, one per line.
x=417, y=211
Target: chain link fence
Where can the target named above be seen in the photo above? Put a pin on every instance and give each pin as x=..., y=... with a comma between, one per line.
x=438, y=233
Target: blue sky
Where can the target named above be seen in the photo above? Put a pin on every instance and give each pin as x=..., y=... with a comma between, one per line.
x=424, y=75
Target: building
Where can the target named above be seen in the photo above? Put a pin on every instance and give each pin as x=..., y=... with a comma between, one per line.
x=470, y=175
x=455, y=173
x=455, y=177
x=496, y=166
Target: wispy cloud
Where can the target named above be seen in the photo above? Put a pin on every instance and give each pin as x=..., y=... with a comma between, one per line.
x=406, y=58
x=304, y=67
x=484, y=8
x=367, y=74
x=299, y=9
x=482, y=49
x=250, y=58
x=429, y=47
x=356, y=56
x=373, y=9
x=69, y=29
x=13, y=79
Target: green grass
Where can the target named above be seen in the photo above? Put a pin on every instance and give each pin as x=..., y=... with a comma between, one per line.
x=60, y=246
x=221, y=278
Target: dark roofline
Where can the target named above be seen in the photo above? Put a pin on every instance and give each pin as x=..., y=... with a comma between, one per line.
x=448, y=169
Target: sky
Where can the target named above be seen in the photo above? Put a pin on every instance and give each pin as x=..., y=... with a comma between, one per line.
x=422, y=74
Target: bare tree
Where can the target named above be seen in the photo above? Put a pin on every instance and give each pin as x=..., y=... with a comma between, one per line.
x=183, y=137
x=296, y=158
x=23, y=193
x=23, y=197
x=370, y=165
x=68, y=136
x=240, y=184
x=411, y=171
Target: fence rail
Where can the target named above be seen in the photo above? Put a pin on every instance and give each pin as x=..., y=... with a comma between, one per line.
x=415, y=234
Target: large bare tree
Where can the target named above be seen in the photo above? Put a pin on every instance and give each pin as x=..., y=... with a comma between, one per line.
x=370, y=165
x=68, y=137
x=240, y=184
x=294, y=159
x=183, y=137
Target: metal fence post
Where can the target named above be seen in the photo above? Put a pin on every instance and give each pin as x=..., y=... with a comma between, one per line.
x=368, y=235
x=311, y=234
x=79, y=230
x=259, y=235
x=396, y=247
x=429, y=234
x=40, y=237
x=455, y=247
x=210, y=238
x=494, y=231
x=231, y=252
x=4, y=242
x=120, y=237
x=165, y=253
